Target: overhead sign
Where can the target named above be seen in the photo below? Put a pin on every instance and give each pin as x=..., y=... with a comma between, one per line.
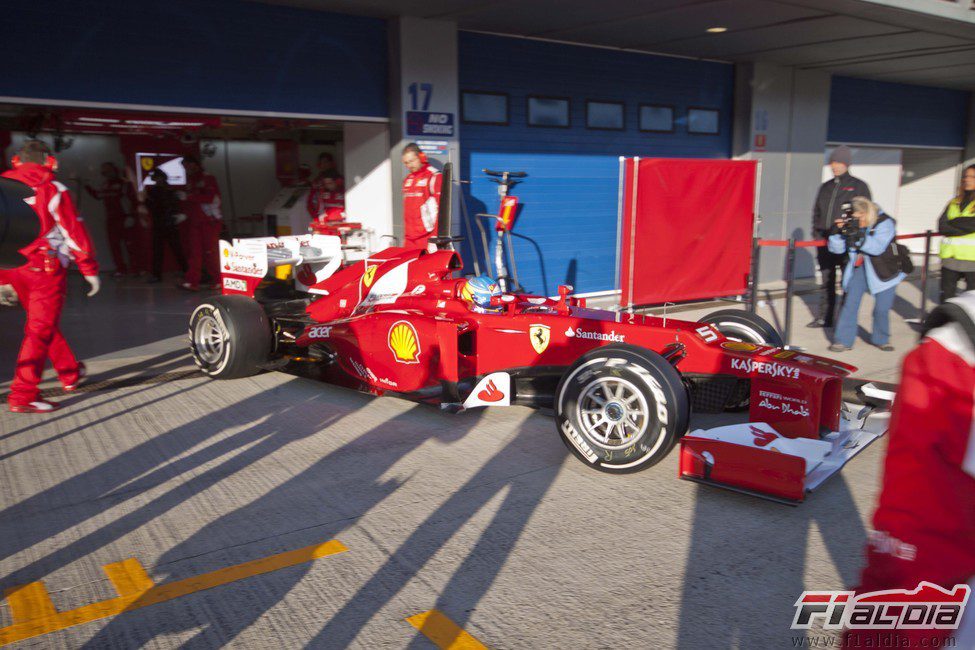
x=428, y=123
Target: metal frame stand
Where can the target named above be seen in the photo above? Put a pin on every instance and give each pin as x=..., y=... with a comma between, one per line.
x=925, y=274
x=790, y=271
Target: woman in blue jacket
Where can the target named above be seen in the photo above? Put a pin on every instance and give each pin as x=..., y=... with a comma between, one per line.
x=873, y=266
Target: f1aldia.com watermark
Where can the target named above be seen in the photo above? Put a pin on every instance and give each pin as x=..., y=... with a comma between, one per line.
x=928, y=616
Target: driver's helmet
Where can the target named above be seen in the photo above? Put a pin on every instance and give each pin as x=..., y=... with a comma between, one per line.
x=479, y=291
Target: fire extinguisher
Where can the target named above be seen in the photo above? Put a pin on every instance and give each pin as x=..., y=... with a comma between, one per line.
x=504, y=221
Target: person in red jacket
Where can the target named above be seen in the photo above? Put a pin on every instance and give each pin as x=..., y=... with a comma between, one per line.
x=122, y=229
x=325, y=195
x=41, y=283
x=924, y=525
x=201, y=206
x=421, y=196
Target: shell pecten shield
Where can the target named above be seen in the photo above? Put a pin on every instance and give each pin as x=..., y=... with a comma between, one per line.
x=404, y=342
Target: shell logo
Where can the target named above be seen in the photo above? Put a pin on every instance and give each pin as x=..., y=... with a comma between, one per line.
x=148, y=163
x=369, y=275
x=739, y=346
x=465, y=293
x=404, y=342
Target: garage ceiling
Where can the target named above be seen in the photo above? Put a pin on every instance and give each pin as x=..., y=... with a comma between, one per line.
x=930, y=43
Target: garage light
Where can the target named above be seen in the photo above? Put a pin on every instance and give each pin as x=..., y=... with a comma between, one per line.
x=717, y=30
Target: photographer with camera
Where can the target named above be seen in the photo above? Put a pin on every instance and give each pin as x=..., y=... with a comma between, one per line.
x=832, y=195
x=875, y=264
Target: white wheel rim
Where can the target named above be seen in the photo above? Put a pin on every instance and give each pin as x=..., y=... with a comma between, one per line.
x=740, y=333
x=613, y=412
x=209, y=337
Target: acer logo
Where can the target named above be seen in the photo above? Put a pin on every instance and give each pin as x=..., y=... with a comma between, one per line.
x=491, y=393
x=320, y=332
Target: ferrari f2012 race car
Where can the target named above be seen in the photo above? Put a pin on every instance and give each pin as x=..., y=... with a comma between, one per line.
x=622, y=386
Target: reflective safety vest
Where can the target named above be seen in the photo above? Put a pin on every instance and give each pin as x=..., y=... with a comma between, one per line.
x=962, y=247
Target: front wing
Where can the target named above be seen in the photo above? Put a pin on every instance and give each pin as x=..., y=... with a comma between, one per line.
x=755, y=459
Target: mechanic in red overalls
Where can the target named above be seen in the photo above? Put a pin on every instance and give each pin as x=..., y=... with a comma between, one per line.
x=205, y=222
x=121, y=228
x=325, y=196
x=41, y=283
x=924, y=526
x=421, y=196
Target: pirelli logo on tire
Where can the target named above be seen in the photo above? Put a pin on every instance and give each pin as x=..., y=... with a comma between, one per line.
x=579, y=442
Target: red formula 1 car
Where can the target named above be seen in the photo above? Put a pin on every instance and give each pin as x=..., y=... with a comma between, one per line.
x=622, y=386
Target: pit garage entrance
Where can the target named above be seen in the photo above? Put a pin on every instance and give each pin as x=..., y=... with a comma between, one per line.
x=266, y=167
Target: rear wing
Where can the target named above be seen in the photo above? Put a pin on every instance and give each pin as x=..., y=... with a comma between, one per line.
x=244, y=263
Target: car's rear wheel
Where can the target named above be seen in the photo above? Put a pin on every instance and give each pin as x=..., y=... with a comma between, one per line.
x=743, y=327
x=230, y=336
x=621, y=408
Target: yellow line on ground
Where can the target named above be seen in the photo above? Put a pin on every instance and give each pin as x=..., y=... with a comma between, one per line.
x=29, y=601
x=128, y=577
x=34, y=613
x=447, y=635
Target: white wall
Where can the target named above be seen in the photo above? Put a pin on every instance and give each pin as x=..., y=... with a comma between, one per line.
x=788, y=108
x=928, y=181
x=368, y=180
x=423, y=52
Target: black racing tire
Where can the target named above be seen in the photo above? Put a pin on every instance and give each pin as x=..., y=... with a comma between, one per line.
x=744, y=326
x=230, y=336
x=739, y=325
x=637, y=426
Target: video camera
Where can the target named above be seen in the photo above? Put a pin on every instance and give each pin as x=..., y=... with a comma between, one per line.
x=850, y=225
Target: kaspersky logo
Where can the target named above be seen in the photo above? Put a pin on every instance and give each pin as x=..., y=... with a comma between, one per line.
x=927, y=607
x=369, y=275
x=404, y=342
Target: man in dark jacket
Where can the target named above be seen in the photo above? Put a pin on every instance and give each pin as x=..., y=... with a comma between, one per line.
x=164, y=207
x=827, y=209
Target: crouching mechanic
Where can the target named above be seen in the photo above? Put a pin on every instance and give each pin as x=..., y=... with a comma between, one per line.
x=925, y=519
x=40, y=285
x=421, y=199
x=479, y=291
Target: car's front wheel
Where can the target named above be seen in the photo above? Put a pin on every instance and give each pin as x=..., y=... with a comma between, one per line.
x=621, y=408
x=230, y=336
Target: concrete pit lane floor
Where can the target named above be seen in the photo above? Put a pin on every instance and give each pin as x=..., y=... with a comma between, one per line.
x=159, y=509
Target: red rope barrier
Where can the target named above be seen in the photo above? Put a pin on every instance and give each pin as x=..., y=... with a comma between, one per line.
x=821, y=242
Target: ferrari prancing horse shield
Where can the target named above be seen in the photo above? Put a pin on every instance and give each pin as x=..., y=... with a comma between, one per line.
x=368, y=276
x=540, y=336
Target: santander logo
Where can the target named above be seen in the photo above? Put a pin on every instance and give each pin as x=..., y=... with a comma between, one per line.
x=763, y=438
x=580, y=333
x=490, y=393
